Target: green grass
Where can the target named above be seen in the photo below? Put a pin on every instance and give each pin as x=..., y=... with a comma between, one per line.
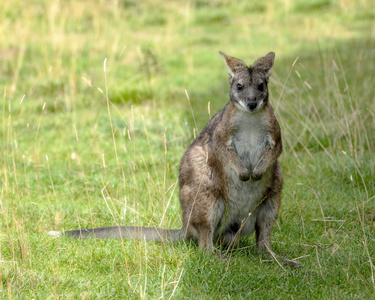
x=83, y=145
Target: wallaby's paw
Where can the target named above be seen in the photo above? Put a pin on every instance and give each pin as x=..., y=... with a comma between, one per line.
x=256, y=176
x=54, y=233
x=244, y=176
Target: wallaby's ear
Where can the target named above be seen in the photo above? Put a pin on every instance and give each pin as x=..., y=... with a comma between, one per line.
x=265, y=63
x=233, y=64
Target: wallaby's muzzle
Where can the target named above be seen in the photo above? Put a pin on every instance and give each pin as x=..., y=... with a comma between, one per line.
x=252, y=105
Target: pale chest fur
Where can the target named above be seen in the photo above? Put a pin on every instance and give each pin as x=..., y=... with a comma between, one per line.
x=250, y=139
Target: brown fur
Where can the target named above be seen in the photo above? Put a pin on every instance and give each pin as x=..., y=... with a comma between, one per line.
x=230, y=180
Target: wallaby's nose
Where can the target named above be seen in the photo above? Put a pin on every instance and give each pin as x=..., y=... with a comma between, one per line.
x=251, y=105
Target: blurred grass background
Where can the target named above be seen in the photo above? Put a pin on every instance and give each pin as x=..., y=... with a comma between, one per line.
x=95, y=119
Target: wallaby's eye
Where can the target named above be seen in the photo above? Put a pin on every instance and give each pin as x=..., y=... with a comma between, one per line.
x=239, y=87
x=261, y=87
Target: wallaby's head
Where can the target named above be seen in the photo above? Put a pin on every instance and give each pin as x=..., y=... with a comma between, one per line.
x=248, y=85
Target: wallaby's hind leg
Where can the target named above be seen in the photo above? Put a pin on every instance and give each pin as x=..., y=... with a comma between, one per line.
x=200, y=201
x=198, y=224
x=205, y=238
x=200, y=232
x=201, y=216
x=267, y=214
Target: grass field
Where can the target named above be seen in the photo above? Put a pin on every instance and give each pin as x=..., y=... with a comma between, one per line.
x=95, y=119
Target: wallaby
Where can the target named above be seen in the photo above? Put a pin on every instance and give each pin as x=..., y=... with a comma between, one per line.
x=230, y=179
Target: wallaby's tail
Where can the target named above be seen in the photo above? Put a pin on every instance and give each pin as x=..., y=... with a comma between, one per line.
x=125, y=232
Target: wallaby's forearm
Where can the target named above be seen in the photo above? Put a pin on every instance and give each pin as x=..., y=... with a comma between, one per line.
x=232, y=158
x=267, y=159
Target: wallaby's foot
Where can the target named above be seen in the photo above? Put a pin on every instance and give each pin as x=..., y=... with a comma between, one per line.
x=280, y=259
x=292, y=263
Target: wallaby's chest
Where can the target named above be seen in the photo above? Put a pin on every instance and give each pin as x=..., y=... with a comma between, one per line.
x=249, y=137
